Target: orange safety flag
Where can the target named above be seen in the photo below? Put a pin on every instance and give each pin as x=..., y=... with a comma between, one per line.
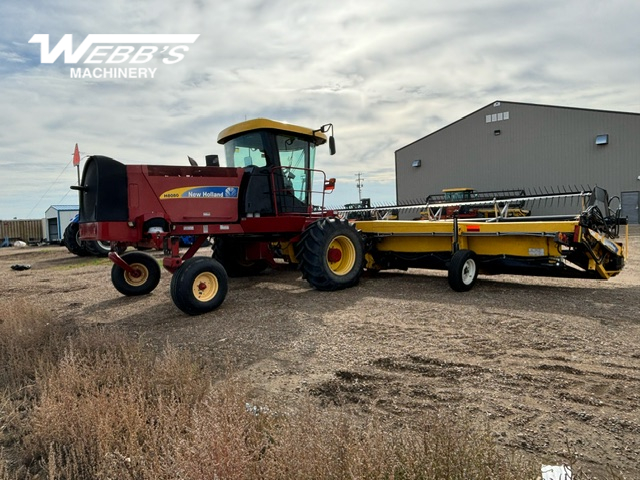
x=76, y=156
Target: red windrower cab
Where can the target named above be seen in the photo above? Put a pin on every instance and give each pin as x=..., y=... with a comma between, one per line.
x=258, y=208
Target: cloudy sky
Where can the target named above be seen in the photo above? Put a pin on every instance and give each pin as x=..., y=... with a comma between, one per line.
x=384, y=73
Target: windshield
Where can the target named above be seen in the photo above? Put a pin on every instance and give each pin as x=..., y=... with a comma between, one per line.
x=246, y=150
x=457, y=196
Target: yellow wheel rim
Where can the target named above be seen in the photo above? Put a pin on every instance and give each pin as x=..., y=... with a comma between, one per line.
x=205, y=287
x=341, y=255
x=139, y=278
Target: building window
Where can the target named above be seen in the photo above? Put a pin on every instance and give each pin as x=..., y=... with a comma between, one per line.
x=416, y=163
x=496, y=117
x=602, y=139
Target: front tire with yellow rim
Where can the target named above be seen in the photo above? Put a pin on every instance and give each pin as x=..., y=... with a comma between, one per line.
x=143, y=278
x=199, y=286
x=331, y=254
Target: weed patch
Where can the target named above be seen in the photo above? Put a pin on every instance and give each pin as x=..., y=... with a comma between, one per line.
x=78, y=404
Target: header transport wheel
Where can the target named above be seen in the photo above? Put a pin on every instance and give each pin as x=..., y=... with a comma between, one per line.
x=463, y=271
x=143, y=280
x=331, y=254
x=199, y=286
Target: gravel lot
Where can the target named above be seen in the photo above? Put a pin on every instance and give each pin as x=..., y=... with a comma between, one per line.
x=552, y=365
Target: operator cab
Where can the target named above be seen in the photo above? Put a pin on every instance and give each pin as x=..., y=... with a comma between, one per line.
x=278, y=160
x=458, y=194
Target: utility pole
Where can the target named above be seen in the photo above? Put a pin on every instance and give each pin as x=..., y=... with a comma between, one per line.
x=359, y=183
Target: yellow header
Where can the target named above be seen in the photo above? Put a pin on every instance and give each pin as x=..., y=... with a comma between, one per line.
x=265, y=124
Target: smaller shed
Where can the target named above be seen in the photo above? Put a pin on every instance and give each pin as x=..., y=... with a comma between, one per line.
x=56, y=219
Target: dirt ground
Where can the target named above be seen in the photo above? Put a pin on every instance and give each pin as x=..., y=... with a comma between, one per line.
x=552, y=365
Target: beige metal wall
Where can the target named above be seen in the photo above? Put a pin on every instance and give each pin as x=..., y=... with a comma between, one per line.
x=26, y=230
x=524, y=146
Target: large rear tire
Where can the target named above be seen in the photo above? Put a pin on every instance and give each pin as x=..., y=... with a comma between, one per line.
x=463, y=271
x=141, y=282
x=232, y=257
x=331, y=254
x=199, y=286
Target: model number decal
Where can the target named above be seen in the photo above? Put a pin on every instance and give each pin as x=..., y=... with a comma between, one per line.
x=200, y=192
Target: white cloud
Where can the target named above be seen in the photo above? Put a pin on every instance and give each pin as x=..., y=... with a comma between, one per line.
x=385, y=74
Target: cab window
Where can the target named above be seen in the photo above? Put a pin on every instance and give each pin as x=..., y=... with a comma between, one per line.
x=246, y=150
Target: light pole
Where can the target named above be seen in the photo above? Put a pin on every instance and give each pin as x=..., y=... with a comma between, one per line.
x=359, y=183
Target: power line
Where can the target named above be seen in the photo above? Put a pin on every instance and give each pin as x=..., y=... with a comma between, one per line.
x=50, y=186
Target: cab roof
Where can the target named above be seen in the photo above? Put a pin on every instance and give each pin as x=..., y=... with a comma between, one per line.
x=265, y=124
x=458, y=189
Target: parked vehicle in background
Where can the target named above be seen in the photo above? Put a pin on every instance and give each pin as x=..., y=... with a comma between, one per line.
x=71, y=240
x=457, y=197
x=364, y=211
x=96, y=248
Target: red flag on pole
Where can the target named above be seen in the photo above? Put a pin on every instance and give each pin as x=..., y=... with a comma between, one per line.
x=76, y=156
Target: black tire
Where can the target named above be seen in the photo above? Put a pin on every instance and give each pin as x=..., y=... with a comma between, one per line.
x=143, y=282
x=463, y=271
x=331, y=254
x=231, y=254
x=199, y=286
x=71, y=240
x=97, y=248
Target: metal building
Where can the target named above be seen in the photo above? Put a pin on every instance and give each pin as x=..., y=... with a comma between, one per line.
x=57, y=217
x=507, y=145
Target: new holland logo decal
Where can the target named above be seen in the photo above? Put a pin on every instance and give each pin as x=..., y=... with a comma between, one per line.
x=200, y=192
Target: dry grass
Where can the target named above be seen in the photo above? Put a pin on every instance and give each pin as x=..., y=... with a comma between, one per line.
x=76, y=405
x=31, y=341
